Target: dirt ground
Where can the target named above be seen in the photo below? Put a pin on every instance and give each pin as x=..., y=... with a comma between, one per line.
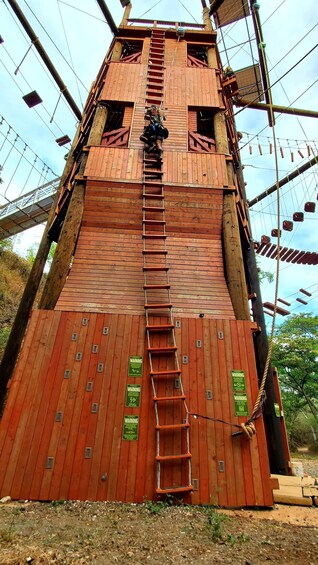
x=151, y=533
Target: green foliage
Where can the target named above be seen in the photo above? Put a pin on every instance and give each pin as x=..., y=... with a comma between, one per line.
x=155, y=507
x=215, y=523
x=295, y=354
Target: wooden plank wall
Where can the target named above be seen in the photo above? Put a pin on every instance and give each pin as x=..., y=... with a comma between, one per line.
x=106, y=273
x=90, y=401
x=179, y=167
x=126, y=83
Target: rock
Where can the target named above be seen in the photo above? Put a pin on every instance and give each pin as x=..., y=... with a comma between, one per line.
x=5, y=499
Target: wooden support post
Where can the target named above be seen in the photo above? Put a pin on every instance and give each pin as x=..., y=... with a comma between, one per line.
x=71, y=226
x=275, y=443
x=124, y=21
x=233, y=259
x=65, y=248
x=117, y=51
x=22, y=317
x=206, y=19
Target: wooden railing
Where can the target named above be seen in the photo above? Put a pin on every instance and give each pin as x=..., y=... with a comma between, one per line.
x=194, y=62
x=200, y=143
x=116, y=138
x=134, y=58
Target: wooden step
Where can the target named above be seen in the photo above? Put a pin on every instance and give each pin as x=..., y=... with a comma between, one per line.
x=172, y=426
x=163, y=398
x=165, y=373
x=157, y=306
x=171, y=490
x=156, y=286
x=153, y=209
x=153, y=236
x=156, y=173
x=154, y=222
x=173, y=457
x=155, y=269
x=168, y=349
x=153, y=195
x=160, y=327
x=154, y=252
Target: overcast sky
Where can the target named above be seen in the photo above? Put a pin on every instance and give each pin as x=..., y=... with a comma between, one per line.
x=77, y=29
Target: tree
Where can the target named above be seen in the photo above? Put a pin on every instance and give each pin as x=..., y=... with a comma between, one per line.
x=295, y=354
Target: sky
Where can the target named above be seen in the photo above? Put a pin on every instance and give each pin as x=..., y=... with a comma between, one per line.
x=76, y=37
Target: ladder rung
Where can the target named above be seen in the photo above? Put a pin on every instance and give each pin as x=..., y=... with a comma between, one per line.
x=153, y=236
x=168, y=490
x=172, y=426
x=154, y=222
x=169, y=349
x=156, y=286
x=158, y=307
x=155, y=173
x=161, y=327
x=154, y=269
x=154, y=252
x=153, y=196
x=153, y=209
x=173, y=457
x=162, y=398
x=165, y=373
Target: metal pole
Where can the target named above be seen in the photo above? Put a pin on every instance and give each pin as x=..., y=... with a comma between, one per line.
x=45, y=58
x=284, y=180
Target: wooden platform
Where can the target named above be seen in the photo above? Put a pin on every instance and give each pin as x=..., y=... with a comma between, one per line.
x=61, y=434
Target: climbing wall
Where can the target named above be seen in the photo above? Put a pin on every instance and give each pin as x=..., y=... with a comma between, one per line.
x=77, y=425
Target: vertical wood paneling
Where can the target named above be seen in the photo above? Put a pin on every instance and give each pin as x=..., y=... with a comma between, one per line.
x=125, y=82
x=191, y=87
x=118, y=469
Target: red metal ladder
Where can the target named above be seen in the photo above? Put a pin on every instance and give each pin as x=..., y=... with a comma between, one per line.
x=171, y=412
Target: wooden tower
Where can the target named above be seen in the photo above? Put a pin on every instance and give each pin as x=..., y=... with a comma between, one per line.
x=140, y=361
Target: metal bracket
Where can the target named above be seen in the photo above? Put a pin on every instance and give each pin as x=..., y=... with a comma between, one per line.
x=89, y=386
x=100, y=367
x=49, y=463
x=94, y=408
x=220, y=335
x=208, y=395
x=88, y=453
x=178, y=323
x=199, y=343
x=78, y=356
x=59, y=416
x=84, y=321
x=95, y=349
x=185, y=359
x=105, y=331
x=67, y=373
x=221, y=466
x=74, y=337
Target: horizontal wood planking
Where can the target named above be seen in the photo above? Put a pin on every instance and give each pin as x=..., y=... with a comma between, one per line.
x=179, y=167
x=230, y=471
x=107, y=271
x=125, y=83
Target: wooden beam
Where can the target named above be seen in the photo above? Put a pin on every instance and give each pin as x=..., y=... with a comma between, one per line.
x=215, y=5
x=22, y=317
x=241, y=103
x=108, y=17
x=233, y=259
x=65, y=248
x=283, y=181
x=71, y=225
x=45, y=58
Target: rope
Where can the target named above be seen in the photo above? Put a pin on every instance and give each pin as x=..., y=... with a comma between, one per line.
x=248, y=427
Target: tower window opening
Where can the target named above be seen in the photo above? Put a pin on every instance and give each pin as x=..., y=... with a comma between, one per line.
x=197, y=55
x=201, y=130
x=117, y=127
x=131, y=52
